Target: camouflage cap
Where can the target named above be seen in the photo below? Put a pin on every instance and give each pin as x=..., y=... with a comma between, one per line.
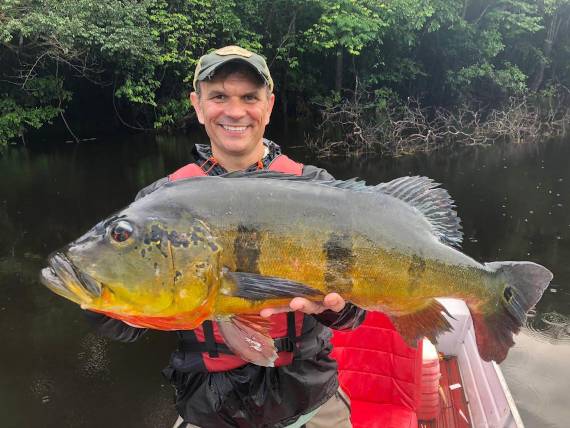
x=209, y=63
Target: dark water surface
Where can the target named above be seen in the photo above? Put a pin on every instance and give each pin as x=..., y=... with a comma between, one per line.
x=54, y=372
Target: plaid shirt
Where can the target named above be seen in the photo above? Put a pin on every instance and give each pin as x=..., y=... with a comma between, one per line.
x=203, y=157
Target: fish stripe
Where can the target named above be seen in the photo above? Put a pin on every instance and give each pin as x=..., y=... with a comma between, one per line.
x=340, y=260
x=416, y=270
x=247, y=249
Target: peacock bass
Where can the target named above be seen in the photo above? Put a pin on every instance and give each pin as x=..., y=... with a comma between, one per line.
x=225, y=248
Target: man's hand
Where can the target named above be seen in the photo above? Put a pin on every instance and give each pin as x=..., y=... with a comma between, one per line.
x=332, y=301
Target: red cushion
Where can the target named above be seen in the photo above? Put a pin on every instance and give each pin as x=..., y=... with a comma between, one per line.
x=373, y=415
x=380, y=374
x=376, y=365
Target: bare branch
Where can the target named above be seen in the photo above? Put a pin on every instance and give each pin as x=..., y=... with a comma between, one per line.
x=405, y=128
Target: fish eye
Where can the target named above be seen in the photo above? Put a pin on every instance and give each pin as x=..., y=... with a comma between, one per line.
x=122, y=231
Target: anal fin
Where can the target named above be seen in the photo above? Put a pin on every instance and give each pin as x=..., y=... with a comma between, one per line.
x=429, y=321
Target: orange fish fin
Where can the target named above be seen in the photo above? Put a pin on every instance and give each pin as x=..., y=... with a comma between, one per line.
x=429, y=321
x=496, y=322
x=248, y=337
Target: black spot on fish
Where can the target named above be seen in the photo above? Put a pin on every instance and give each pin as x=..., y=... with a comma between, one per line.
x=177, y=275
x=143, y=252
x=159, y=237
x=415, y=272
x=178, y=239
x=247, y=249
x=340, y=260
x=157, y=233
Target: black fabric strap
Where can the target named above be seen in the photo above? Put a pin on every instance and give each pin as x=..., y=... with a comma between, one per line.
x=211, y=345
x=283, y=344
x=291, y=333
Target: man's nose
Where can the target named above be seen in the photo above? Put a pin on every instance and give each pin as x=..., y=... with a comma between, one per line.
x=234, y=109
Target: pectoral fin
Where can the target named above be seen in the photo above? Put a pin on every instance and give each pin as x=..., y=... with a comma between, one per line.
x=253, y=286
x=248, y=337
x=428, y=321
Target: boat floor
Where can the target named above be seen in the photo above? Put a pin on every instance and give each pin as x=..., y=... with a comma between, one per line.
x=454, y=412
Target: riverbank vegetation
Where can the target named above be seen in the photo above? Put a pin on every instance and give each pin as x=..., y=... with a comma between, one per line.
x=385, y=76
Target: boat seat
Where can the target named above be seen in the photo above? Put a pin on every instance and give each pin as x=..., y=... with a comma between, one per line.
x=385, y=416
x=380, y=373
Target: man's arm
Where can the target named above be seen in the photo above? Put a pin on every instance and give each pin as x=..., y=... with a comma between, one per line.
x=316, y=173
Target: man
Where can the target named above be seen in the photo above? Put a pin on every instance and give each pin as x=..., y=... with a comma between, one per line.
x=233, y=99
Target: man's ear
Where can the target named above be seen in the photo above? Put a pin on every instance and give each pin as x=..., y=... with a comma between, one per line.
x=195, y=100
x=270, y=108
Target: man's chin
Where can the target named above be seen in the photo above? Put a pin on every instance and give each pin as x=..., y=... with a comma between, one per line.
x=239, y=144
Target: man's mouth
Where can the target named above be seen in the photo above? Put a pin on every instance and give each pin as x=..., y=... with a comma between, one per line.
x=234, y=128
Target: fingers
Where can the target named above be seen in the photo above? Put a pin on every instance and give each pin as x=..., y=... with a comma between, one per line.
x=332, y=301
x=267, y=312
x=303, y=305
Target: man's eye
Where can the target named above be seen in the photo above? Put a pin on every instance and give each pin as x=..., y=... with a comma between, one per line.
x=219, y=97
x=250, y=98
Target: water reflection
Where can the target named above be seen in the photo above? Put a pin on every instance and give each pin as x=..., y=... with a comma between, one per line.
x=513, y=202
x=551, y=327
x=93, y=360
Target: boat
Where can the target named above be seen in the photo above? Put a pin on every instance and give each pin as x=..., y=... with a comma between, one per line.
x=392, y=385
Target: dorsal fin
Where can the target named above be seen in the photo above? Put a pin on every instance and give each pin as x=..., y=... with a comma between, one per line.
x=434, y=203
x=420, y=192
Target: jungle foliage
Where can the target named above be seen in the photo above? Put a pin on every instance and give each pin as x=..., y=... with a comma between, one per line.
x=141, y=54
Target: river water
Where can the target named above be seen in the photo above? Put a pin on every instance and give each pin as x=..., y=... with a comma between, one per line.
x=54, y=372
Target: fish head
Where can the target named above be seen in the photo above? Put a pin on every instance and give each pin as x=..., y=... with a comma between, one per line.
x=158, y=271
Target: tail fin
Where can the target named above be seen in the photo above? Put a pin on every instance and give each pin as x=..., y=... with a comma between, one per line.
x=496, y=322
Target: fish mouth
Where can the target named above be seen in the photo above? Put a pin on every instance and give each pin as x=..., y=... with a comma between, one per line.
x=63, y=278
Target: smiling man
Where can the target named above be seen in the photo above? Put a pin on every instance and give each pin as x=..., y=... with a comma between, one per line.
x=234, y=105
x=233, y=99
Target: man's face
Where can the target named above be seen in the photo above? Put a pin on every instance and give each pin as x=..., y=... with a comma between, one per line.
x=235, y=110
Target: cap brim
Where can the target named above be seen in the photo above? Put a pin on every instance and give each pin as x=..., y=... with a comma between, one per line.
x=210, y=71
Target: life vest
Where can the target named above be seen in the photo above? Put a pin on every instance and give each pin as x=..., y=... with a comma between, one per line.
x=206, y=340
x=281, y=163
